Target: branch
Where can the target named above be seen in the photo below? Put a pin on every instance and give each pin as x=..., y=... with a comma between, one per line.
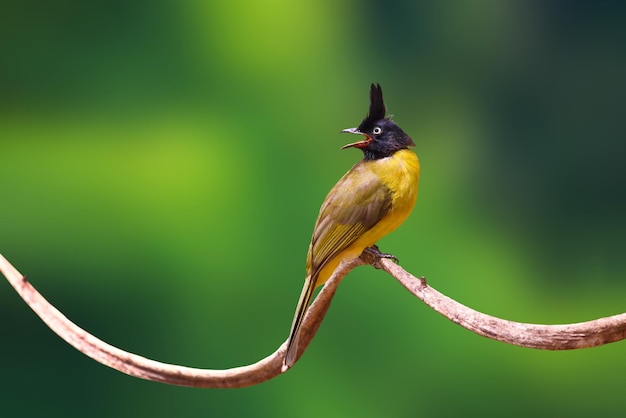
x=548, y=337
x=147, y=369
x=543, y=337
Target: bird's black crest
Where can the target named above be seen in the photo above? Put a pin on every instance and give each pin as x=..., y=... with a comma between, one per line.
x=377, y=108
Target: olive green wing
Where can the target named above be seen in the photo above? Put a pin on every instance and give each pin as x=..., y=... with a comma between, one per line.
x=357, y=202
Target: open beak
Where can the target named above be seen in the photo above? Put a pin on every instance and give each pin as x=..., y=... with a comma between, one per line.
x=358, y=144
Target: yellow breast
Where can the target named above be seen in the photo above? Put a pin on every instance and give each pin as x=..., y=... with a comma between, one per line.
x=400, y=173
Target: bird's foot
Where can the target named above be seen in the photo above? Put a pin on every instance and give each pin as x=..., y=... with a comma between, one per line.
x=372, y=255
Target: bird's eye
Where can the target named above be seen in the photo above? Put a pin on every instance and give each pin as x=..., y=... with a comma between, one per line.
x=377, y=130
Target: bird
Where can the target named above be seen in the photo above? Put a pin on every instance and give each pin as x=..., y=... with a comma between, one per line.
x=371, y=200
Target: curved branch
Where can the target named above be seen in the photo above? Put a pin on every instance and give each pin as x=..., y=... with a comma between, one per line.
x=144, y=368
x=543, y=337
x=548, y=337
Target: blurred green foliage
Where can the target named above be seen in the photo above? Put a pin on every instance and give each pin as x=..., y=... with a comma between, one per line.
x=162, y=164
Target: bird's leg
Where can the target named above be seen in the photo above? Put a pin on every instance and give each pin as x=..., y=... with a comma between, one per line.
x=372, y=255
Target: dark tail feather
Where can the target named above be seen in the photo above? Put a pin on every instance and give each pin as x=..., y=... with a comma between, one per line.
x=294, y=336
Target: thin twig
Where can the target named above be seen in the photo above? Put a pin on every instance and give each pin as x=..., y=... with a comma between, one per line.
x=549, y=337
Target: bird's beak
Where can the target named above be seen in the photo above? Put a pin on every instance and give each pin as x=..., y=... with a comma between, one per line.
x=358, y=144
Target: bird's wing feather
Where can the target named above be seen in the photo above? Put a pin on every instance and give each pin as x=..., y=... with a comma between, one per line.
x=350, y=210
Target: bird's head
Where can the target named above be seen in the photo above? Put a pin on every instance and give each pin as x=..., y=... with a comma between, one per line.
x=382, y=136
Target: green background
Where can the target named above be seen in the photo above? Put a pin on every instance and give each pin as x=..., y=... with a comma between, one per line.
x=162, y=164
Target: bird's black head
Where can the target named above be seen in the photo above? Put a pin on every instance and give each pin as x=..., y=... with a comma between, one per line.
x=382, y=136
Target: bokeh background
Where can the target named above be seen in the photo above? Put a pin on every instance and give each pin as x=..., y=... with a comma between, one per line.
x=162, y=164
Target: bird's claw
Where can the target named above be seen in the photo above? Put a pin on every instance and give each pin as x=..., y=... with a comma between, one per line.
x=372, y=255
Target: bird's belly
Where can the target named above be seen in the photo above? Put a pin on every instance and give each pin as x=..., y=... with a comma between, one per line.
x=386, y=225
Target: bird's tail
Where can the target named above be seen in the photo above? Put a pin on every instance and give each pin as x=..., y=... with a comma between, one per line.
x=294, y=336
